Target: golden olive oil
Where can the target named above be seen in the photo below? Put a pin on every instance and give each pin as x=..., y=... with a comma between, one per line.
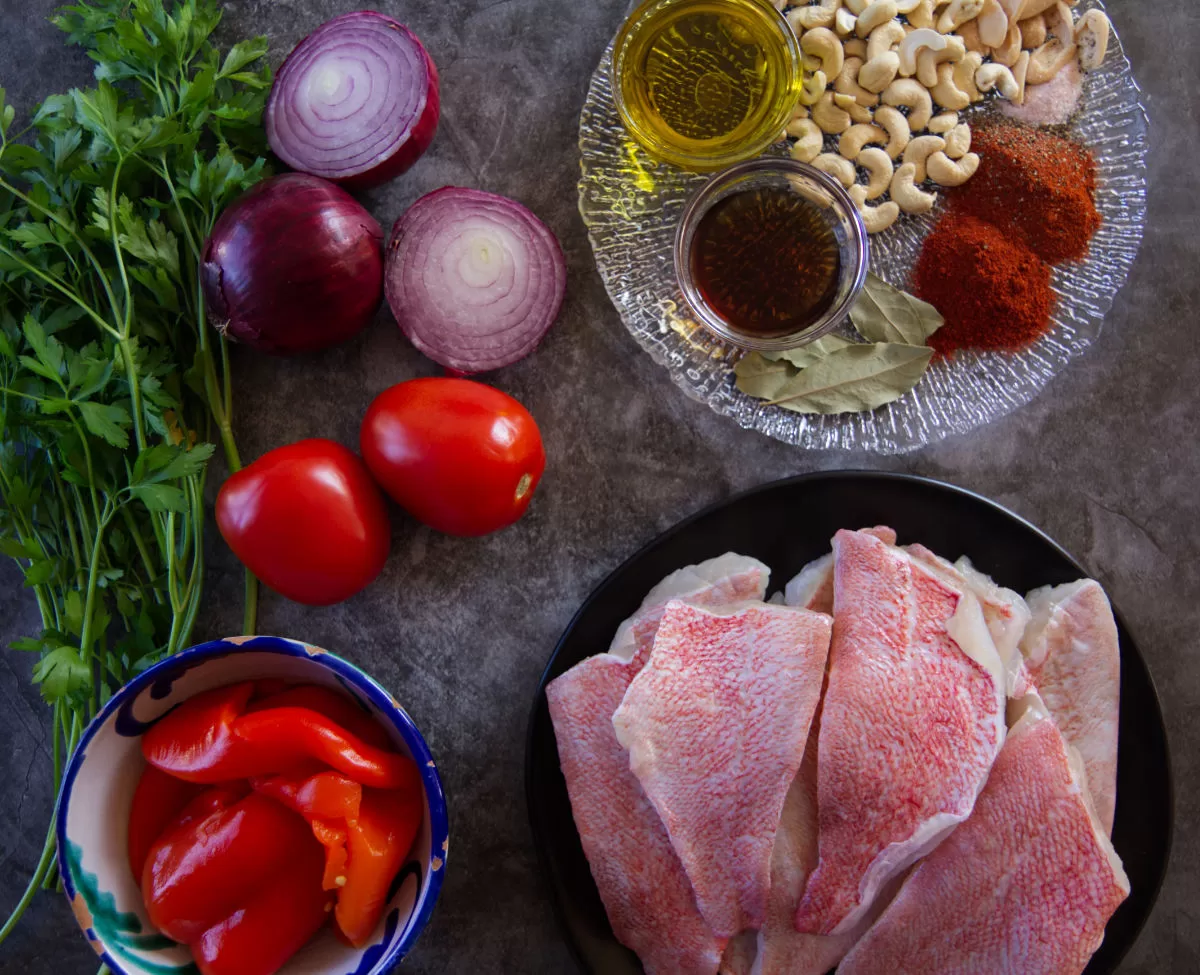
x=704, y=83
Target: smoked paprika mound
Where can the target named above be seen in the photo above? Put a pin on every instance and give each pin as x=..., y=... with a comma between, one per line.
x=993, y=291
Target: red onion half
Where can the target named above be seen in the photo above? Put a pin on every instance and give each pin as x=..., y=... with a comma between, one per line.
x=356, y=102
x=474, y=279
x=295, y=264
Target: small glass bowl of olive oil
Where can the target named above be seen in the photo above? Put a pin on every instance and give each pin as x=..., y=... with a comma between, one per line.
x=771, y=254
x=703, y=84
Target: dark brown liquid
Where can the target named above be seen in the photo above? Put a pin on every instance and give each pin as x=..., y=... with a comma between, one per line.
x=767, y=260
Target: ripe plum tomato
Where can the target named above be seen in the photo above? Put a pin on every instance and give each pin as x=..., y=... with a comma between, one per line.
x=308, y=521
x=460, y=456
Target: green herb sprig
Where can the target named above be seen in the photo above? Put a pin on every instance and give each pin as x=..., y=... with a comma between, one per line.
x=111, y=383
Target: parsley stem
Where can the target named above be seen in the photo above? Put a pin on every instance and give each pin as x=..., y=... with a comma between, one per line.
x=35, y=883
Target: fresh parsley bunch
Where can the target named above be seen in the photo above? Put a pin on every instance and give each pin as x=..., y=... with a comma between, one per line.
x=111, y=383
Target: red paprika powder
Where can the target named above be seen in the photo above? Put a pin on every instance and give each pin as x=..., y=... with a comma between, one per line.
x=993, y=291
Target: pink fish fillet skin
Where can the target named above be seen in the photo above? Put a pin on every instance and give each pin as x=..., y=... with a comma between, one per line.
x=1024, y=887
x=812, y=587
x=912, y=720
x=739, y=955
x=1074, y=659
x=645, y=891
x=715, y=725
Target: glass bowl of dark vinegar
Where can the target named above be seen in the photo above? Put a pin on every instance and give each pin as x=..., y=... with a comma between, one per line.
x=771, y=254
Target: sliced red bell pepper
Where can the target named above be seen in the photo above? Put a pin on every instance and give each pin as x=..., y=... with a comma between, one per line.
x=324, y=700
x=196, y=737
x=270, y=926
x=157, y=802
x=220, y=853
x=313, y=791
x=378, y=843
x=333, y=837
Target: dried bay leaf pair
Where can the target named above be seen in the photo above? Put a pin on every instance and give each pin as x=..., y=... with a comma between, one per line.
x=836, y=375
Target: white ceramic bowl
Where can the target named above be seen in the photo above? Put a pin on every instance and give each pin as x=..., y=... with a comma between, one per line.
x=97, y=790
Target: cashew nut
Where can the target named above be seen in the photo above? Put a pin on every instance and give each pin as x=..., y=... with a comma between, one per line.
x=907, y=6
x=813, y=87
x=1013, y=9
x=1091, y=36
x=958, y=141
x=898, y=129
x=948, y=172
x=850, y=106
x=823, y=44
x=1032, y=8
x=884, y=38
x=1033, y=32
x=1048, y=60
x=794, y=129
x=964, y=75
x=810, y=141
x=946, y=93
x=851, y=142
x=922, y=15
x=878, y=165
x=959, y=12
x=1020, y=72
x=915, y=97
x=856, y=47
x=940, y=124
x=997, y=76
x=1060, y=23
x=929, y=60
x=839, y=167
x=844, y=21
x=1010, y=50
x=919, y=150
x=875, y=218
x=969, y=32
x=808, y=18
x=916, y=42
x=992, y=23
x=847, y=84
x=905, y=193
x=880, y=72
x=831, y=119
x=856, y=6
x=880, y=12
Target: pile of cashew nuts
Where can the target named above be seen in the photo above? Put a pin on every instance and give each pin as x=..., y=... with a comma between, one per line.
x=887, y=79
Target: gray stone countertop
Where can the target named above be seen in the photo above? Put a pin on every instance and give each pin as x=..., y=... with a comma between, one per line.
x=1105, y=460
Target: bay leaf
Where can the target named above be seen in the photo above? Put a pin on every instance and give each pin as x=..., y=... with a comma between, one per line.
x=762, y=377
x=806, y=355
x=884, y=313
x=853, y=379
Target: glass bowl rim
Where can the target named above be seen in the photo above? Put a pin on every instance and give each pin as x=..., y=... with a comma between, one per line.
x=699, y=204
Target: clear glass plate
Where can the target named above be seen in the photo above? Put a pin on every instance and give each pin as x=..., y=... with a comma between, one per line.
x=631, y=205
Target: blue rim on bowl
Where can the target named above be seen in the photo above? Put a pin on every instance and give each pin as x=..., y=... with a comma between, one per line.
x=376, y=958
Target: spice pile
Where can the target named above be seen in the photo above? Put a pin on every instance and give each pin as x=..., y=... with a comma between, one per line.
x=986, y=265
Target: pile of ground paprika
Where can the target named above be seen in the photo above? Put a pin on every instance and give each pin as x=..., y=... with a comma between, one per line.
x=986, y=264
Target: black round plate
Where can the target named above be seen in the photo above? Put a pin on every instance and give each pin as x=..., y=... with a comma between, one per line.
x=787, y=524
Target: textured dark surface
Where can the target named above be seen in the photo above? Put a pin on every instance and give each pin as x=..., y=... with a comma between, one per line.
x=1105, y=461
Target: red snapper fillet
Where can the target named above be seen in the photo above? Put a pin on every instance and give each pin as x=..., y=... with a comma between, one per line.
x=1074, y=659
x=912, y=720
x=643, y=886
x=716, y=724
x=1024, y=887
x=812, y=587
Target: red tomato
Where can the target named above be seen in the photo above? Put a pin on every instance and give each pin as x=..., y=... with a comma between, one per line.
x=308, y=521
x=460, y=456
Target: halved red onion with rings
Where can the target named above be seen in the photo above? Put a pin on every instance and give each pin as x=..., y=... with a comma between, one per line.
x=474, y=279
x=356, y=102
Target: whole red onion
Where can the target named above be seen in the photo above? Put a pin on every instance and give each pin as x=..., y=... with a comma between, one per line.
x=293, y=265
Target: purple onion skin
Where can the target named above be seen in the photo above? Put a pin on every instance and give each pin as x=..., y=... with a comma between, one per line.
x=420, y=136
x=293, y=265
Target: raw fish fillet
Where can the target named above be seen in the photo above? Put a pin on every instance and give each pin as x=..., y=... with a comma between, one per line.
x=812, y=587
x=1004, y=611
x=1074, y=659
x=1024, y=887
x=912, y=720
x=715, y=725
x=739, y=954
x=645, y=891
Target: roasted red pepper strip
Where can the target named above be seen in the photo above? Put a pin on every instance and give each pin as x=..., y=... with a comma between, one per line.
x=333, y=838
x=213, y=862
x=193, y=739
x=157, y=802
x=324, y=700
x=313, y=791
x=378, y=843
x=269, y=927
